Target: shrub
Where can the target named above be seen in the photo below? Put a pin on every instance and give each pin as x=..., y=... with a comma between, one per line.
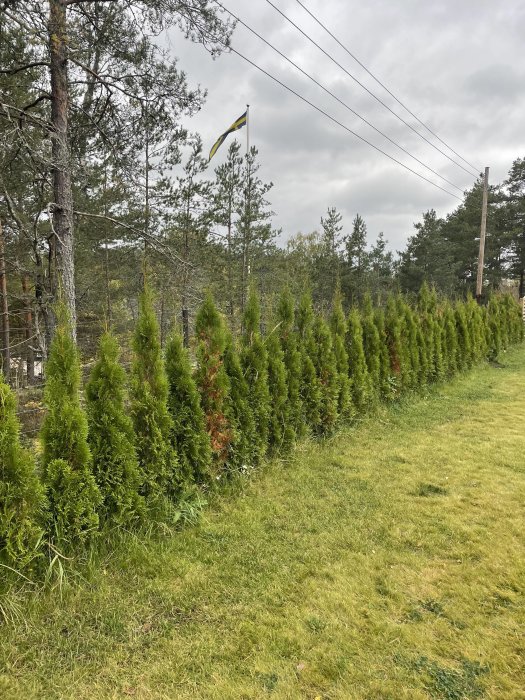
x=292, y=360
x=371, y=347
x=188, y=432
x=385, y=383
x=310, y=389
x=280, y=433
x=72, y=492
x=111, y=438
x=345, y=407
x=22, y=500
x=393, y=330
x=212, y=382
x=254, y=362
x=450, y=340
x=464, y=347
x=357, y=362
x=159, y=467
x=326, y=369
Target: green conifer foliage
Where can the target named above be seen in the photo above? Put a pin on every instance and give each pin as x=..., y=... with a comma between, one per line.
x=74, y=498
x=243, y=449
x=345, y=407
x=326, y=369
x=450, y=340
x=292, y=361
x=158, y=463
x=478, y=338
x=357, y=362
x=281, y=434
x=111, y=438
x=495, y=344
x=393, y=330
x=22, y=499
x=371, y=347
x=385, y=385
x=212, y=382
x=464, y=354
x=310, y=388
x=254, y=362
x=188, y=433
x=412, y=350
x=434, y=319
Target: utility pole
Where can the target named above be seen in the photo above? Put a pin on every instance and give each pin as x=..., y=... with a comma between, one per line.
x=479, y=280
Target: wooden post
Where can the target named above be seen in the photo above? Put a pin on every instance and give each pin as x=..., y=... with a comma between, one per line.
x=6, y=357
x=479, y=280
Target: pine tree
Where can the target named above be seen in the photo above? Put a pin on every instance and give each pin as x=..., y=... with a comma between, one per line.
x=310, y=389
x=326, y=369
x=213, y=383
x=22, y=499
x=111, y=438
x=72, y=492
x=345, y=407
x=188, y=433
x=243, y=448
x=371, y=347
x=357, y=362
x=158, y=463
x=280, y=435
x=292, y=361
x=254, y=362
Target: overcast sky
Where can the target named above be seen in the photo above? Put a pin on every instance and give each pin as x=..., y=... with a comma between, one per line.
x=457, y=65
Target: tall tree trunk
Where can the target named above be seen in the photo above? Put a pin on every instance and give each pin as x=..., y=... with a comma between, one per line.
x=63, y=264
x=6, y=357
x=28, y=330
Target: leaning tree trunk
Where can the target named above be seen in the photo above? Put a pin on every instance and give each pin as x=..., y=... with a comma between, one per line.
x=62, y=239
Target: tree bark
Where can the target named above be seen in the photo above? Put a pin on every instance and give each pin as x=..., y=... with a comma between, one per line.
x=63, y=264
x=6, y=358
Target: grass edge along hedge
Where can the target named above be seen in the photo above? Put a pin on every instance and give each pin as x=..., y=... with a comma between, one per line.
x=190, y=427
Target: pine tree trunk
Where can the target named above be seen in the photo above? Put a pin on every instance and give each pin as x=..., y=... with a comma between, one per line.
x=28, y=331
x=63, y=265
x=6, y=357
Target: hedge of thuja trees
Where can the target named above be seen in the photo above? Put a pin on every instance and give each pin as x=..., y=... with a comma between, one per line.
x=129, y=450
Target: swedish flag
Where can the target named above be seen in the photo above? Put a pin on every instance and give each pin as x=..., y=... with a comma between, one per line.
x=237, y=124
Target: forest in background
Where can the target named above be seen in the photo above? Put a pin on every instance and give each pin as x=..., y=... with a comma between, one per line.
x=92, y=151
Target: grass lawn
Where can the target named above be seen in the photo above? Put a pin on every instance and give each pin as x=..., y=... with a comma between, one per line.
x=388, y=562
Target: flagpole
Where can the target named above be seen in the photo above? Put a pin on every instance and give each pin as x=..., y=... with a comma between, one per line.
x=247, y=129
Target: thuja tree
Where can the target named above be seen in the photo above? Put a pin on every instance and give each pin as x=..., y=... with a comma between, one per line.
x=494, y=345
x=326, y=369
x=394, y=343
x=292, y=360
x=310, y=389
x=435, y=313
x=255, y=365
x=243, y=450
x=357, y=362
x=74, y=498
x=371, y=347
x=212, y=381
x=345, y=406
x=158, y=463
x=464, y=347
x=450, y=340
x=385, y=384
x=478, y=338
x=280, y=432
x=409, y=344
x=111, y=438
x=188, y=432
x=22, y=498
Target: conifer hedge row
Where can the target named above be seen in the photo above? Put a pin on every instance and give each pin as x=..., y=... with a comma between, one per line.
x=127, y=451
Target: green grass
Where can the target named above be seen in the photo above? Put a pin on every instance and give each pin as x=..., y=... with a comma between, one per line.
x=387, y=563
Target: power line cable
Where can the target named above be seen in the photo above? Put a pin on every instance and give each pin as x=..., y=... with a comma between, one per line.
x=344, y=104
x=343, y=126
x=316, y=19
x=378, y=99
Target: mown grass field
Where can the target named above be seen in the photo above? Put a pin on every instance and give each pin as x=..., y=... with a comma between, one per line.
x=387, y=563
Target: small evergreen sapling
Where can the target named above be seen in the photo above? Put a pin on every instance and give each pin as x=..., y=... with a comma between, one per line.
x=74, y=498
x=213, y=383
x=254, y=362
x=326, y=369
x=158, y=463
x=188, y=433
x=111, y=438
x=280, y=432
x=357, y=362
x=22, y=499
x=310, y=389
x=292, y=360
x=371, y=347
x=385, y=384
x=345, y=407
